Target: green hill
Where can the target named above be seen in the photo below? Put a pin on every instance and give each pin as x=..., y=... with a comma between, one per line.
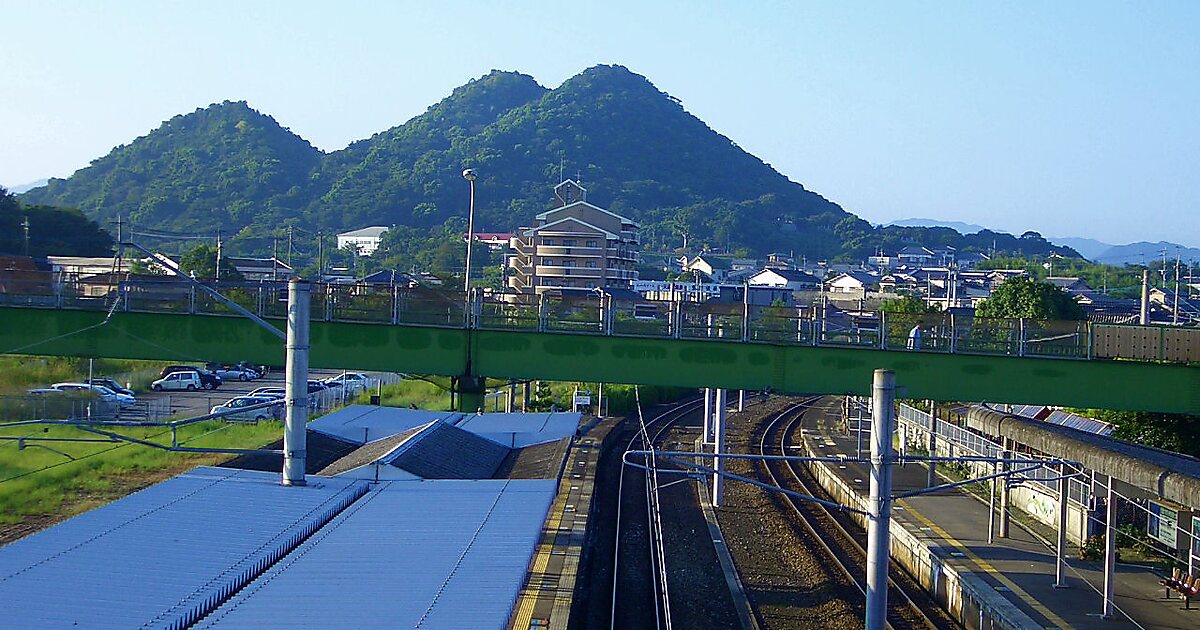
x=637, y=150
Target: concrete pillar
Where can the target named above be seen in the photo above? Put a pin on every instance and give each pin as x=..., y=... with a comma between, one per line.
x=741, y=400
x=1004, y=500
x=718, y=494
x=708, y=406
x=525, y=403
x=880, y=501
x=295, y=427
x=1110, y=550
x=931, y=477
x=1060, y=578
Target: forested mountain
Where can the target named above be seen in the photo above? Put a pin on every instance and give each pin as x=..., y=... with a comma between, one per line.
x=59, y=231
x=635, y=148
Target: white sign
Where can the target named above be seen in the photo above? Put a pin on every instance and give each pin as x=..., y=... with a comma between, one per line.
x=583, y=400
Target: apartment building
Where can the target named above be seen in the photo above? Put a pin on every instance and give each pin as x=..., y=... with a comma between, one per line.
x=576, y=245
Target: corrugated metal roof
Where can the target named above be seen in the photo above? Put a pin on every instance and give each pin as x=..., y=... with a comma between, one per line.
x=162, y=557
x=522, y=429
x=410, y=554
x=366, y=423
x=1082, y=423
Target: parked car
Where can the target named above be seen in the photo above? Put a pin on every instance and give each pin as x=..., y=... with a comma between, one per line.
x=208, y=380
x=105, y=394
x=352, y=381
x=190, y=381
x=315, y=386
x=277, y=392
x=236, y=405
x=44, y=391
x=113, y=385
x=233, y=373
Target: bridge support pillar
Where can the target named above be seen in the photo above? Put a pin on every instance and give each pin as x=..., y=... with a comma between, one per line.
x=470, y=390
x=718, y=494
x=295, y=427
x=880, y=501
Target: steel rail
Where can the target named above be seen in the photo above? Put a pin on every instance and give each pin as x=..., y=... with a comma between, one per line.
x=789, y=418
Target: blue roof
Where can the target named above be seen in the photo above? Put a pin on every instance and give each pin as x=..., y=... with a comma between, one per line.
x=360, y=424
x=410, y=554
x=516, y=430
x=166, y=555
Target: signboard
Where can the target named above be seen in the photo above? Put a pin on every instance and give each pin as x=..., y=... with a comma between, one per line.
x=582, y=401
x=1162, y=524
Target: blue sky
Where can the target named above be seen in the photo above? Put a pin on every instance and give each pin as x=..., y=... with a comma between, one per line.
x=1070, y=118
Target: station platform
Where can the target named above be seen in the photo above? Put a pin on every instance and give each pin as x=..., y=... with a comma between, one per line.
x=1021, y=567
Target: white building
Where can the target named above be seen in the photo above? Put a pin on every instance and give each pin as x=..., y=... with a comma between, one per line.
x=365, y=241
x=786, y=279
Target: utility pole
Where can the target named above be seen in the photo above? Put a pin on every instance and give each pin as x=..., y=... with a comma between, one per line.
x=25, y=226
x=218, y=254
x=274, y=257
x=1144, y=317
x=289, y=246
x=320, y=256
x=1175, y=308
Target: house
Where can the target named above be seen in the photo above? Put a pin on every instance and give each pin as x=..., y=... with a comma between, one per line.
x=73, y=268
x=785, y=278
x=716, y=269
x=780, y=261
x=259, y=269
x=574, y=245
x=915, y=255
x=853, y=282
x=390, y=277
x=365, y=241
x=970, y=260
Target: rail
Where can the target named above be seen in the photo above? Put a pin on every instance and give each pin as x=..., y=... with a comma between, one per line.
x=600, y=314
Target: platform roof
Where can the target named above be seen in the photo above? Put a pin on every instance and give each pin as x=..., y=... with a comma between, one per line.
x=516, y=430
x=411, y=554
x=163, y=556
x=366, y=423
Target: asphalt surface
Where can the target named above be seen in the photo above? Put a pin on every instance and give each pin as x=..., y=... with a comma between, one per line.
x=202, y=401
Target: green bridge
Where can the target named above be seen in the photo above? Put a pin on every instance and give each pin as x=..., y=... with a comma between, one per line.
x=680, y=344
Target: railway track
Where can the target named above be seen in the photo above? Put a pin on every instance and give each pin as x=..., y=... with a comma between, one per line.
x=840, y=542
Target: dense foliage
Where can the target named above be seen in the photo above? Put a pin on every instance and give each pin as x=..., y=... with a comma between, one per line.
x=637, y=150
x=59, y=231
x=907, y=304
x=1025, y=297
x=1171, y=431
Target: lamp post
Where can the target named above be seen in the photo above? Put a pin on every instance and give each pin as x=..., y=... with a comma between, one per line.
x=469, y=175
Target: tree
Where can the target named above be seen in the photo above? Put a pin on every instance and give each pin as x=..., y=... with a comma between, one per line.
x=908, y=304
x=1026, y=297
x=202, y=260
x=1171, y=431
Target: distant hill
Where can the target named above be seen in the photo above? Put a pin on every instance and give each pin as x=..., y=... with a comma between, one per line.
x=958, y=226
x=1143, y=252
x=20, y=188
x=636, y=149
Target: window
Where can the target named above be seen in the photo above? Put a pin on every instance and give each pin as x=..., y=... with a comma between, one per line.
x=568, y=242
x=591, y=243
x=568, y=263
x=591, y=264
x=548, y=241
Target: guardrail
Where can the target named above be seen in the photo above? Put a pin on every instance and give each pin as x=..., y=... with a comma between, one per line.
x=600, y=314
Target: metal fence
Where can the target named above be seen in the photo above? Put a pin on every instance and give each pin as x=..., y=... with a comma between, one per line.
x=598, y=313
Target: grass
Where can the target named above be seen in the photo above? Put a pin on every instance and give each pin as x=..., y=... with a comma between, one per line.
x=61, y=479
x=19, y=373
x=432, y=394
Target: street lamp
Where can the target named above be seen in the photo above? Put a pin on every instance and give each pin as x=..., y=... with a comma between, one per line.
x=469, y=175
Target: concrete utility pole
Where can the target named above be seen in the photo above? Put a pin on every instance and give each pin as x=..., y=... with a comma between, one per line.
x=295, y=436
x=708, y=413
x=1110, y=550
x=1060, y=578
x=880, y=502
x=469, y=175
x=1144, y=317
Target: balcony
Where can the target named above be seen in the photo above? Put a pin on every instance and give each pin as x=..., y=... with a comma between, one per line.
x=554, y=271
x=559, y=250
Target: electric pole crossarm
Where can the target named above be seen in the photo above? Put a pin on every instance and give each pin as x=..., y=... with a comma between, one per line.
x=170, y=266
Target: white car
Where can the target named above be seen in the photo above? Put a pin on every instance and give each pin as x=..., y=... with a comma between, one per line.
x=236, y=406
x=235, y=373
x=105, y=394
x=189, y=381
x=352, y=381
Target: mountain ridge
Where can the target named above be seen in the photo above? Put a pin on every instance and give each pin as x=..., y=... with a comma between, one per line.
x=635, y=147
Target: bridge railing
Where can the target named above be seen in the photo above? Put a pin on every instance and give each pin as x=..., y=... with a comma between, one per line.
x=600, y=314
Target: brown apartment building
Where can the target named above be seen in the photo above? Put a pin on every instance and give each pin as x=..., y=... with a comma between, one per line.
x=575, y=245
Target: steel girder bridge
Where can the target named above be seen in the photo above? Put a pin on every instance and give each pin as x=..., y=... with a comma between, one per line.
x=598, y=339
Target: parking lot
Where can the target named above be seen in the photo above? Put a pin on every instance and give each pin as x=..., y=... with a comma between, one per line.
x=159, y=405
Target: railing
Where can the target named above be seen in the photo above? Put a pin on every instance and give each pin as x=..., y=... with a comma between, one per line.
x=600, y=314
x=966, y=442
